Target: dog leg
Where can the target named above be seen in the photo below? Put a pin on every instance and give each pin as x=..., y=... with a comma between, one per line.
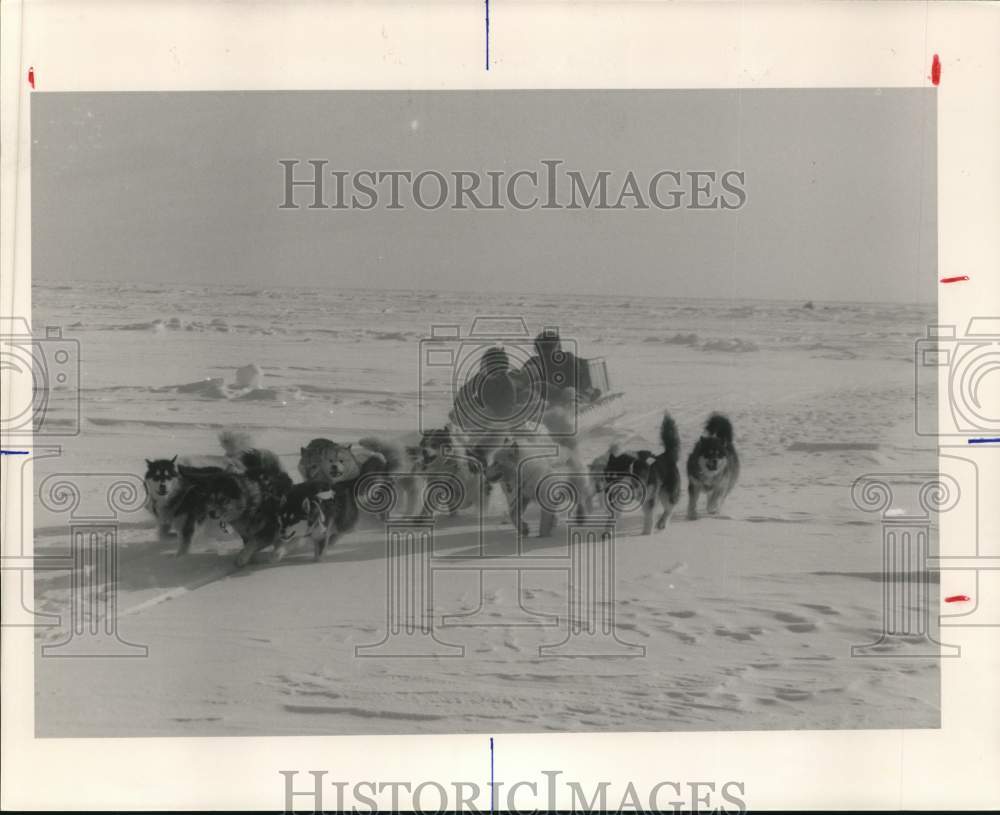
x=517, y=505
x=324, y=543
x=164, y=531
x=247, y=552
x=714, y=498
x=668, y=508
x=426, y=510
x=693, y=493
x=647, y=515
x=187, y=532
x=545, y=525
x=483, y=497
x=665, y=517
x=647, y=520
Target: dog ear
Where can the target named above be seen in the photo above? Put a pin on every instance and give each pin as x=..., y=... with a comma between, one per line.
x=173, y=460
x=149, y=463
x=302, y=451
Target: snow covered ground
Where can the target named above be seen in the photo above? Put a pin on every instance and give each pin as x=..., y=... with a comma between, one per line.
x=744, y=621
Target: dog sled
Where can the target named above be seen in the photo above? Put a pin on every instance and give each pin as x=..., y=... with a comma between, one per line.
x=607, y=407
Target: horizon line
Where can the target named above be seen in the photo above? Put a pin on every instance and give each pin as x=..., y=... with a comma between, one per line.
x=430, y=289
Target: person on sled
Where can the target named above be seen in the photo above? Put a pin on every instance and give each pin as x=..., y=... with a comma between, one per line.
x=562, y=376
x=489, y=396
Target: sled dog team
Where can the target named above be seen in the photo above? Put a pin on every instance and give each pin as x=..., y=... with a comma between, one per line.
x=246, y=490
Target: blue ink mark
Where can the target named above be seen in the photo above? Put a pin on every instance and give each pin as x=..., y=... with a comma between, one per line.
x=984, y=441
x=491, y=742
x=15, y=452
x=487, y=35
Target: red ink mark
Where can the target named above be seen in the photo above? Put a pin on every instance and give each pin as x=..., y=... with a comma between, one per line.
x=957, y=598
x=31, y=77
x=936, y=70
x=958, y=279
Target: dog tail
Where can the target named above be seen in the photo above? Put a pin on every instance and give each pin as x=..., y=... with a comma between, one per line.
x=235, y=442
x=390, y=451
x=669, y=438
x=720, y=427
x=239, y=446
x=256, y=459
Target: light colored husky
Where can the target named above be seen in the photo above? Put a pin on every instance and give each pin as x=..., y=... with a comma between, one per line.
x=445, y=475
x=524, y=478
x=352, y=466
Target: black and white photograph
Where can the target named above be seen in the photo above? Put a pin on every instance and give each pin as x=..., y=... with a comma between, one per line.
x=496, y=406
x=513, y=410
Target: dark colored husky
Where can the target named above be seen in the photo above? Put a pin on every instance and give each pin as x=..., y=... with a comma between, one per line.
x=656, y=474
x=247, y=500
x=713, y=466
x=317, y=512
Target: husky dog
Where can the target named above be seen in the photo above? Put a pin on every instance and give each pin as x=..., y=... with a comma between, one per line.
x=521, y=476
x=440, y=456
x=316, y=459
x=247, y=502
x=244, y=494
x=596, y=469
x=165, y=486
x=330, y=462
x=656, y=474
x=713, y=466
x=345, y=465
x=314, y=511
x=162, y=482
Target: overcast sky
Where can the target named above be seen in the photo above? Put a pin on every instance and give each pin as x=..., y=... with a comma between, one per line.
x=841, y=196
